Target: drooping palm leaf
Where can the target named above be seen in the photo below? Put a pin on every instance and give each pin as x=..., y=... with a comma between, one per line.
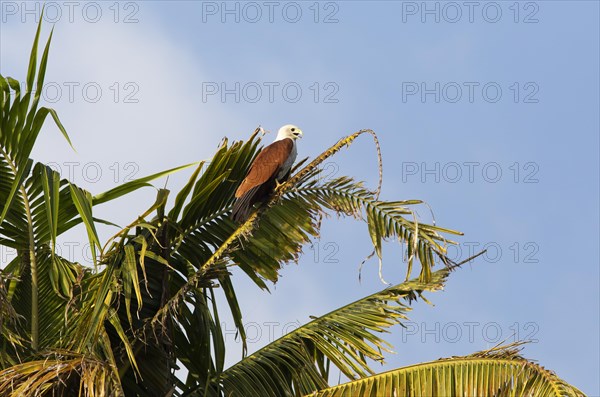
x=498, y=372
x=298, y=362
x=386, y=220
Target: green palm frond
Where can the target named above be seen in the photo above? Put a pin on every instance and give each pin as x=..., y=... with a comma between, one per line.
x=386, y=220
x=29, y=193
x=299, y=362
x=21, y=122
x=37, y=206
x=498, y=372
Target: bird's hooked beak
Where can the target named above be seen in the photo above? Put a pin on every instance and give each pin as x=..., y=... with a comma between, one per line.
x=298, y=133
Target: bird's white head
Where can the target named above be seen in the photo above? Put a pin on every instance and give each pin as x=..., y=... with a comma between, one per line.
x=289, y=131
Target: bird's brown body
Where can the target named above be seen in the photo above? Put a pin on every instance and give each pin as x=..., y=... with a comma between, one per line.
x=271, y=166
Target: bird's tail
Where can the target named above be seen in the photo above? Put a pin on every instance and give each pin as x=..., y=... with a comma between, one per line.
x=242, y=208
x=241, y=211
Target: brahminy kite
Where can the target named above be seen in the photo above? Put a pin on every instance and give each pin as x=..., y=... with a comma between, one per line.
x=270, y=168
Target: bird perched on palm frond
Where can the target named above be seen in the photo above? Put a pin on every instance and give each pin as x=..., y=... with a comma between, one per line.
x=270, y=168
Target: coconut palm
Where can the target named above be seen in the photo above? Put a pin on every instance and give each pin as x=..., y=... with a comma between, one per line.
x=148, y=305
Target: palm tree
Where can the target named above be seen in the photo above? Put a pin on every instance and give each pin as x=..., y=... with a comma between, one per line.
x=148, y=305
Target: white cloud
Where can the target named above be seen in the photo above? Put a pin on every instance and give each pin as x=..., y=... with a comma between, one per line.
x=126, y=91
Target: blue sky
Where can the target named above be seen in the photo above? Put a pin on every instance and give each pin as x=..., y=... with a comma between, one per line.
x=488, y=111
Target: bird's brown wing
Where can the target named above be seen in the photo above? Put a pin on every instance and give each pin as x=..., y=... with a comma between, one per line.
x=266, y=165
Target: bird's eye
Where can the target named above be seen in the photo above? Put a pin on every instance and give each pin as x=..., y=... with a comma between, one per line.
x=293, y=129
